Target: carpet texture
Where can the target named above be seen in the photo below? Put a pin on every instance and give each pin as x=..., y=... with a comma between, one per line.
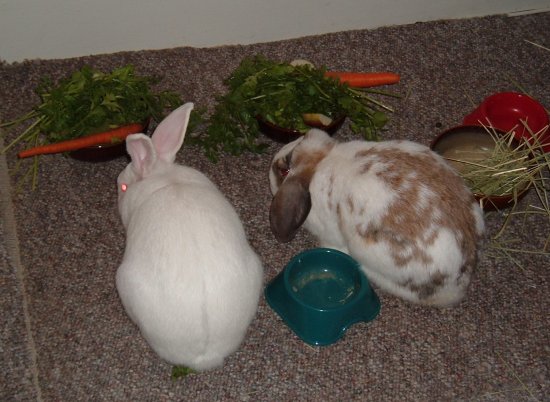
x=66, y=337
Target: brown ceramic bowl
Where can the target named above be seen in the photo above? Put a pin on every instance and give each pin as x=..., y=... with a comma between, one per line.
x=473, y=138
x=103, y=152
x=285, y=135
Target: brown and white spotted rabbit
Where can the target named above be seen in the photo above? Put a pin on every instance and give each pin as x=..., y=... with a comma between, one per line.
x=395, y=206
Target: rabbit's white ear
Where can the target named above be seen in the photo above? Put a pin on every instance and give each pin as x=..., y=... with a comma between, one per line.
x=143, y=154
x=169, y=134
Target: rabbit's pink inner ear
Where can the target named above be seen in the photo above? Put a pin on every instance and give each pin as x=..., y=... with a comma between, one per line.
x=169, y=134
x=142, y=153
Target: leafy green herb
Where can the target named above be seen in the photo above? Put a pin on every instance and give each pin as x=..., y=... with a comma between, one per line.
x=181, y=371
x=91, y=101
x=281, y=93
x=87, y=102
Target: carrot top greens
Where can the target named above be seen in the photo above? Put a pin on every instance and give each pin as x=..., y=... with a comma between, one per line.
x=281, y=93
x=91, y=101
x=88, y=101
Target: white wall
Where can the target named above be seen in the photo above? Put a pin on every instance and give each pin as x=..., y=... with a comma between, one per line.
x=49, y=29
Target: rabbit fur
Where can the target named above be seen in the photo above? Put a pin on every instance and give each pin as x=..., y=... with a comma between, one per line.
x=189, y=278
x=395, y=206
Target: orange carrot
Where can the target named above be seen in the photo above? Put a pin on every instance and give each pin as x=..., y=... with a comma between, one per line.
x=364, y=80
x=106, y=137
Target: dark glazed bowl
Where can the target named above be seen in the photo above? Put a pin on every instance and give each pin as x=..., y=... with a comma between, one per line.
x=104, y=152
x=286, y=135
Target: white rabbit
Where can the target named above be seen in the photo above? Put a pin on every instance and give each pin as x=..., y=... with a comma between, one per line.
x=188, y=279
x=395, y=206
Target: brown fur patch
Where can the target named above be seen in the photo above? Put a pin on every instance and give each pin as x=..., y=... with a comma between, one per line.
x=366, y=165
x=304, y=164
x=351, y=206
x=430, y=287
x=362, y=153
x=405, y=227
x=331, y=192
x=307, y=163
x=339, y=215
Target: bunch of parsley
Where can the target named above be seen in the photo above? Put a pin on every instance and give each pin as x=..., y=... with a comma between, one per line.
x=281, y=93
x=91, y=101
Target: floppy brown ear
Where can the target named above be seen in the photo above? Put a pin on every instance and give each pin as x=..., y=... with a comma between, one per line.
x=289, y=208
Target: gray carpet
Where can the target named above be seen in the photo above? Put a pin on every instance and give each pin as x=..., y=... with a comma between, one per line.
x=65, y=336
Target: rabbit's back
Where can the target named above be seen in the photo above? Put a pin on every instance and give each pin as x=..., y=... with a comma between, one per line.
x=189, y=278
x=403, y=213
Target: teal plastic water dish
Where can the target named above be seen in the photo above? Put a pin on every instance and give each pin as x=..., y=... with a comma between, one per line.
x=320, y=294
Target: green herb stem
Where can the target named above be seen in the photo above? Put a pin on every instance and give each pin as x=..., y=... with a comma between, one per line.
x=371, y=100
x=314, y=83
x=28, y=134
x=30, y=115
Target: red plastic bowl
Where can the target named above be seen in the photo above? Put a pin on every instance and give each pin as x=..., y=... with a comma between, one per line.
x=506, y=111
